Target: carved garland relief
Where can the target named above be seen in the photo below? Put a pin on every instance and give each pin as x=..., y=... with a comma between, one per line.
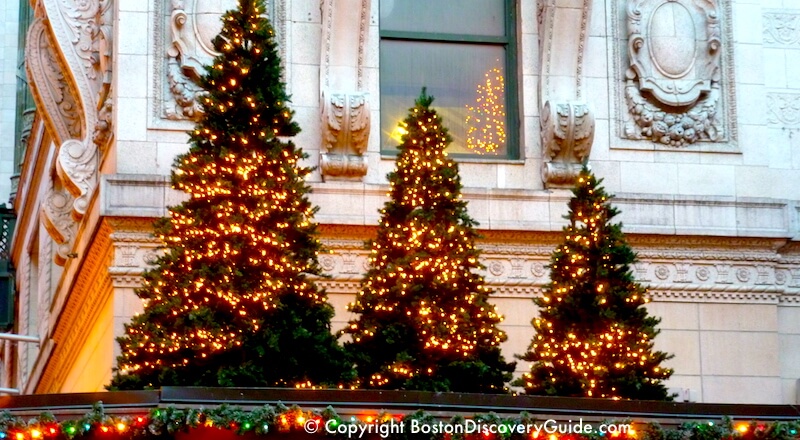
x=672, y=84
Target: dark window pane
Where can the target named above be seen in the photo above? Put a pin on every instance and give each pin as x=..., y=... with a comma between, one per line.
x=472, y=17
x=468, y=82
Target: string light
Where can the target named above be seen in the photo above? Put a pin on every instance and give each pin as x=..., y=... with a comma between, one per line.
x=593, y=337
x=486, y=120
x=421, y=276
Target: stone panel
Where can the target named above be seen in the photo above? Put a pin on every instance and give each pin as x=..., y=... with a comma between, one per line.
x=738, y=317
x=739, y=354
x=741, y=389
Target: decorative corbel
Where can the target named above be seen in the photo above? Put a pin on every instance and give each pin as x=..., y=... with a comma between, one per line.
x=344, y=105
x=345, y=132
x=567, y=123
x=69, y=63
x=567, y=134
x=56, y=216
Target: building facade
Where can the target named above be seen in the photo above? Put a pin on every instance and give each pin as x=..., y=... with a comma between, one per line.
x=687, y=108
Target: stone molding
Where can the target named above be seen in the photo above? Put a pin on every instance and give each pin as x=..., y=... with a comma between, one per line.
x=781, y=28
x=566, y=121
x=674, y=89
x=344, y=103
x=183, y=33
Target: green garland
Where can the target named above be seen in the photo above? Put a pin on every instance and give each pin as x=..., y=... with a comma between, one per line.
x=164, y=423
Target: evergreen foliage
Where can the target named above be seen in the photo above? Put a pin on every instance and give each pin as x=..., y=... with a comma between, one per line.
x=230, y=302
x=424, y=321
x=594, y=337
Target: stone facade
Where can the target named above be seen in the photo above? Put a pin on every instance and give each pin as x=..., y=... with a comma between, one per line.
x=693, y=126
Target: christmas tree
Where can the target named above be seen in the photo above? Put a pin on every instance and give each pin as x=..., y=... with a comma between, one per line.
x=594, y=337
x=423, y=320
x=487, y=118
x=230, y=302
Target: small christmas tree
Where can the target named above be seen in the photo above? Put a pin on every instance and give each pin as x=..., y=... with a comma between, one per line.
x=424, y=321
x=594, y=337
x=229, y=303
x=486, y=120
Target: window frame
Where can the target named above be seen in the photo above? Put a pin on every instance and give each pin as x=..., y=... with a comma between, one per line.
x=508, y=42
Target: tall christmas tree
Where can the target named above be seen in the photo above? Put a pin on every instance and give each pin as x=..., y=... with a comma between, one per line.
x=423, y=318
x=230, y=303
x=594, y=337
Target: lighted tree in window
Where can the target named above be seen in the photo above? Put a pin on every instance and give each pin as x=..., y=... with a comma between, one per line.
x=594, y=337
x=230, y=303
x=424, y=321
x=486, y=120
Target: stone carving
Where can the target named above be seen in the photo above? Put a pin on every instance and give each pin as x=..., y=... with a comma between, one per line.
x=345, y=134
x=70, y=68
x=567, y=135
x=781, y=28
x=672, y=87
x=344, y=105
x=567, y=122
x=56, y=216
x=192, y=27
x=703, y=273
x=743, y=274
x=784, y=109
x=77, y=164
x=662, y=272
x=51, y=91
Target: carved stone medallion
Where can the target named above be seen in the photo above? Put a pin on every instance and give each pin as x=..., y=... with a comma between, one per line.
x=672, y=87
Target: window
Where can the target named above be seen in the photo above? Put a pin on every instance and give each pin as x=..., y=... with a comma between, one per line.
x=464, y=52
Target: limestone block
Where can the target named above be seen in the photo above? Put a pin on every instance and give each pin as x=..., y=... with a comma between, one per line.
x=738, y=317
x=339, y=202
x=747, y=23
x=134, y=195
x=478, y=175
x=721, y=389
x=775, y=68
x=649, y=178
x=132, y=119
x=675, y=316
x=685, y=345
x=520, y=212
x=728, y=353
x=304, y=86
x=132, y=33
x=655, y=216
x=133, y=73
x=789, y=320
x=752, y=137
x=712, y=217
x=763, y=218
x=304, y=52
x=136, y=157
x=706, y=180
x=789, y=356
x=678, y=383
x=749, y=64
x=165, y=157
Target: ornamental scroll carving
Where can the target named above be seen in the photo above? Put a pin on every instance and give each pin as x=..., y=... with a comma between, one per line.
x=567, y=135
x=345, y=131
x=672, y=84
x=56, y=216
x=566, y=119
x=68, y=61
x=193, y=24
x=345, y=112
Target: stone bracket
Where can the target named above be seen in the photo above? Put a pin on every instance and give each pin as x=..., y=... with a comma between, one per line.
x=345, y=133
x=566, y=120
x=344, y=105
x=567, y=135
